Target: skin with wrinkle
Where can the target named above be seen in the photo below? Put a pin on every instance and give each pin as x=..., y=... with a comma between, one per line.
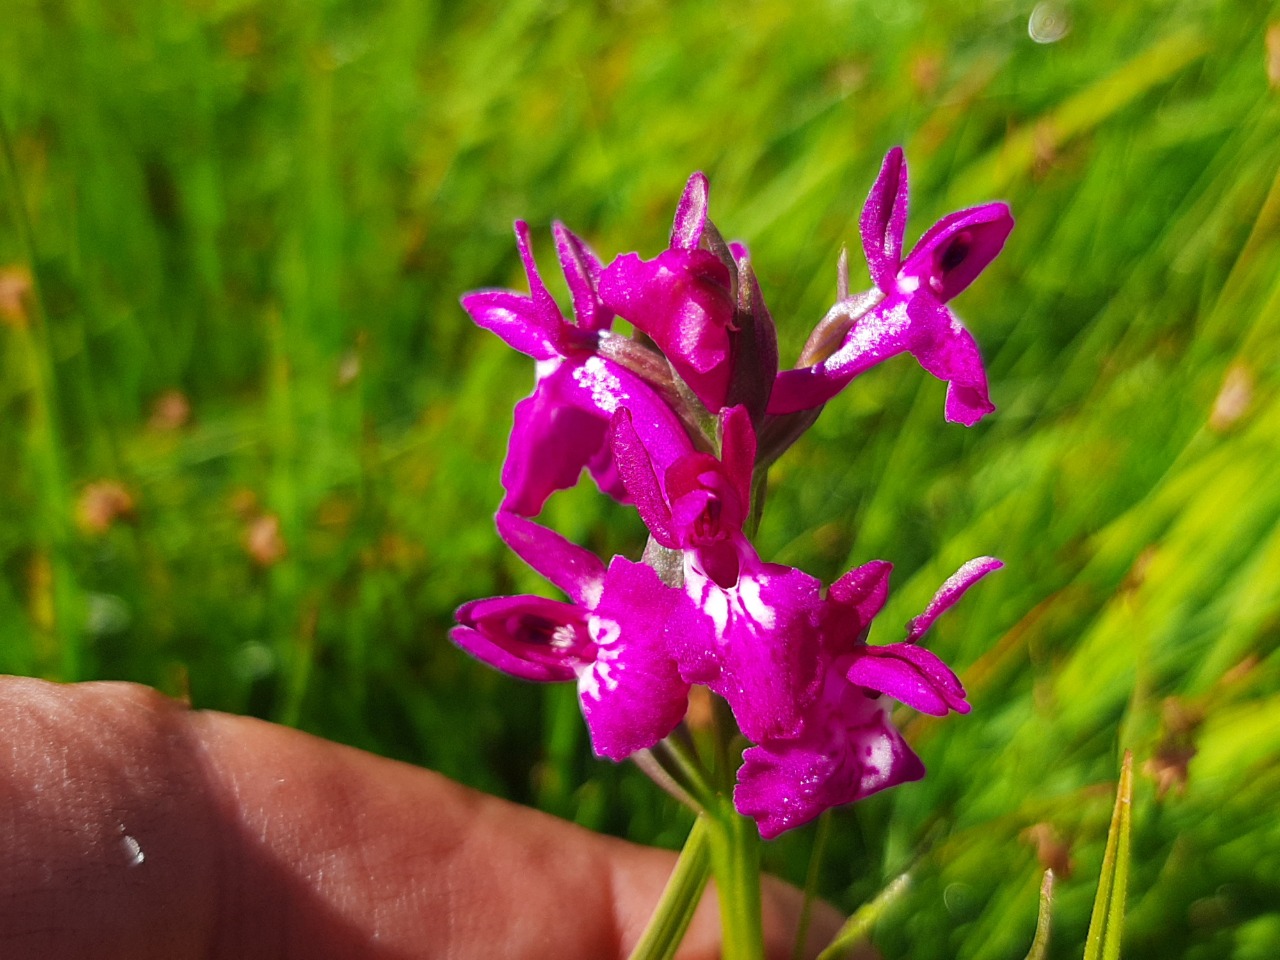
x=264, y=842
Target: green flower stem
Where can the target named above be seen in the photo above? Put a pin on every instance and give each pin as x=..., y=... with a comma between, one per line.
x=811, y=884
x=694, y=776
x=735, y=862
x=680, y=899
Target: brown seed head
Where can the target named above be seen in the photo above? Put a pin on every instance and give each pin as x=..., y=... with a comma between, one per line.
x=15, y=288
x=171, y=411
x=101, y=504
x=263, y=540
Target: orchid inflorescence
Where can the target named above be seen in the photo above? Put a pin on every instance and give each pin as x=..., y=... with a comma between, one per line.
x=682, y=420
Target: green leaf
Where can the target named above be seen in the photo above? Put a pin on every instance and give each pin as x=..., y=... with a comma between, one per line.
x=1106, y=926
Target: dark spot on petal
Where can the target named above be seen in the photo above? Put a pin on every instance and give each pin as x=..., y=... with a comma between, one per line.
x=955, y=251
x=707, y=526
x=533, y=629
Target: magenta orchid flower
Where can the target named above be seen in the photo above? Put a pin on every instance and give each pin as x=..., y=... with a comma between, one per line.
x=609, y=640
x=668, y=420
x=683, y=299
x=561, y=428
x=848, y=748
x=913, y=315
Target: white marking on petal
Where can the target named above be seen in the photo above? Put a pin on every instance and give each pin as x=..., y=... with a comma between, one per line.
x=752, y=602
x=728, y=605
x=605, y=388
x=879, y=763
x=544, y=368
x=867, y=333
x=603, y=675
x=605, y=633
x=712, y=600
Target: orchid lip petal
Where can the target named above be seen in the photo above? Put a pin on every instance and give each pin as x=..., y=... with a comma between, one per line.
x=948, y=351
x=632, y=695
x=848, y=750
x=758, y=644
x=950, y=592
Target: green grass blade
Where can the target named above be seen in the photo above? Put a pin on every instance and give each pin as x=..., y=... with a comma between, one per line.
x=858, y=927
x=1044, y=920
x=1084, y=111
x=1106, y=926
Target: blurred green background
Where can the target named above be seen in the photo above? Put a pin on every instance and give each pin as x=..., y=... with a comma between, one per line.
x=251, y=442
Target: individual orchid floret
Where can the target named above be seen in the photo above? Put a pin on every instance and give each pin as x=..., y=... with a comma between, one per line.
x=848, y=748
x=561, y=427
x=905, y=671
x=912, y=315
x=610, y=639
x=683, y=299
x=752, y=633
